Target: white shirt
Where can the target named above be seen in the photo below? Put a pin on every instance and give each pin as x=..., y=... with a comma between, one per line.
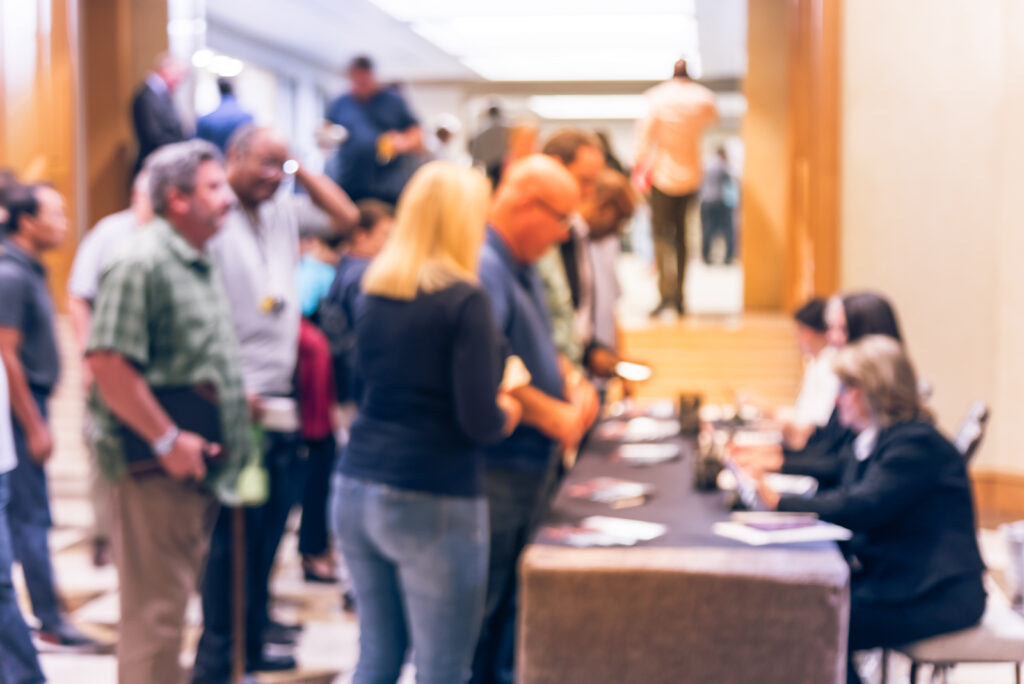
x=8, y=457
x=258, y=263
x=679, y=111
x=96, y=251
x=864, y=443
x=818, y=391
x=156, y=84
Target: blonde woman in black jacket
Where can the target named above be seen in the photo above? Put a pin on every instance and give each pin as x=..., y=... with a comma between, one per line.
x=915, y=569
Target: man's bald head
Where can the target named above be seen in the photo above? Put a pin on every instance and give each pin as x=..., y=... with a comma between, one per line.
x=256, y=155
x=532, y=206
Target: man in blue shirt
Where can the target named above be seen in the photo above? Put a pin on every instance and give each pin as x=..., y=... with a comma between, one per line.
x=339, y=319
x=530, y=214
x=385, y=141
x=218, y=125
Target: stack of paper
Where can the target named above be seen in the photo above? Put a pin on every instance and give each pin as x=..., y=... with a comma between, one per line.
x=599, y=530
x=647, y=454
x=613, y=491
x=759, y=529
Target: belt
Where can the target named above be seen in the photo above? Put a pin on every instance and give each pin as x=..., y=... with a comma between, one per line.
x=279, y=414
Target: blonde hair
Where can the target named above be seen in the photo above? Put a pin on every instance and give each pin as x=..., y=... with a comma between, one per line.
x=438, y=230
x=878, y=366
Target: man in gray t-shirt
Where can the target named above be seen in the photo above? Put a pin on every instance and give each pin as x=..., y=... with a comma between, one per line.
x=257, y=253
x=28, y=347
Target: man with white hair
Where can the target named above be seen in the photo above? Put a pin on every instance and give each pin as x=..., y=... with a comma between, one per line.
x=161, y=323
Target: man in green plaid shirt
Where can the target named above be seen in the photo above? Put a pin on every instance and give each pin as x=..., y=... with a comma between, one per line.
x=161, y=320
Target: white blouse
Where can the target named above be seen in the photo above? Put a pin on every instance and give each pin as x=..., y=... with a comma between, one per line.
x=818, y=391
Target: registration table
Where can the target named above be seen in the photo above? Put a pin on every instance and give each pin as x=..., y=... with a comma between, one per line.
x=689, y=606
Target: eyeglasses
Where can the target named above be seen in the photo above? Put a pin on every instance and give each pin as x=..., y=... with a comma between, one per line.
x=564, y=219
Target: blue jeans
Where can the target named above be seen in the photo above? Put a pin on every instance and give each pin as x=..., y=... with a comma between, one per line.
x=264, y=527
x=29, y=520
x=419, y=569
x=18, y=661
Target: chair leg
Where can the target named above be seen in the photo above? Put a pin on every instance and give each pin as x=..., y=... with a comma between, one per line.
x=1016, y=672
x=885, y=666
x=913, y=672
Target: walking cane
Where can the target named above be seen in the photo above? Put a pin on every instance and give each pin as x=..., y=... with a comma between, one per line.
x=238, y=595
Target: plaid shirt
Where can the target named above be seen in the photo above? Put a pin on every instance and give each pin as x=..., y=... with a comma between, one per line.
x=162, y=307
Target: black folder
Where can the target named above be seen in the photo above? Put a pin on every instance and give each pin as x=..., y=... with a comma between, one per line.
x=192, y=409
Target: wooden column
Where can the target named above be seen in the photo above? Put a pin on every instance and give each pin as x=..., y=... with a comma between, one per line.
x=38, y=106
x=791, y=198
x=120, y=40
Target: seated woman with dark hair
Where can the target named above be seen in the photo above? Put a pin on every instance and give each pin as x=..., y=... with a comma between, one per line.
x=817, y=398
x=915, y=568
x=849, y=318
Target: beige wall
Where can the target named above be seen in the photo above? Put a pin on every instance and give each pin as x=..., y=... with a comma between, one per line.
x=932, y=176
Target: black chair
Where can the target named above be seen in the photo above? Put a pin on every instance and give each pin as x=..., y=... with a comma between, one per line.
x=972, y=430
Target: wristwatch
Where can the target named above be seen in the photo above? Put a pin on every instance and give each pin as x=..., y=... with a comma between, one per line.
x=163, y=444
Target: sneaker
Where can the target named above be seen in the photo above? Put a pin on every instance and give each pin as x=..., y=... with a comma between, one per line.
x=66, y=638
x=274, y=624
x=272, y=663
x=276, y=634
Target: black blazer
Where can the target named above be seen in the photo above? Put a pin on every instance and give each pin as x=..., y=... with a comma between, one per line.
x=824, y=455
x=156, y=122
x=910, y=509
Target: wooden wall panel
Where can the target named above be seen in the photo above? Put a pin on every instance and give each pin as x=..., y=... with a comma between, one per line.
x=813, y=150
x=120, y=39
x=765, y=177
x=38, y=108
x=790, y=207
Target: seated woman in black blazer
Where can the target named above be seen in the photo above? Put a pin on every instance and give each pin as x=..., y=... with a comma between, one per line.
x=915, y=569
x=849, y=317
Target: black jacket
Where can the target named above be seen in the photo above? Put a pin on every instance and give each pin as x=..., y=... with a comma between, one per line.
x=156, y=122
x=910, y=509
x=824, y=456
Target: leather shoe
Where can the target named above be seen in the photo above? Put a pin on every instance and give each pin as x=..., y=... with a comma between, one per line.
x=289, y=628
x=277, y=634
x=270, y=663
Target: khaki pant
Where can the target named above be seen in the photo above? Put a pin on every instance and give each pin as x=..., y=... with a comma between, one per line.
x=162, y=534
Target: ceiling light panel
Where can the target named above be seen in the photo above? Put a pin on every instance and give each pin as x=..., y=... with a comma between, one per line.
x=558, y=40
x=587, y=107
x=418, y=10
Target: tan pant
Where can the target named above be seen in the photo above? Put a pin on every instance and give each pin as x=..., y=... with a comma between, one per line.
x=162, y=534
